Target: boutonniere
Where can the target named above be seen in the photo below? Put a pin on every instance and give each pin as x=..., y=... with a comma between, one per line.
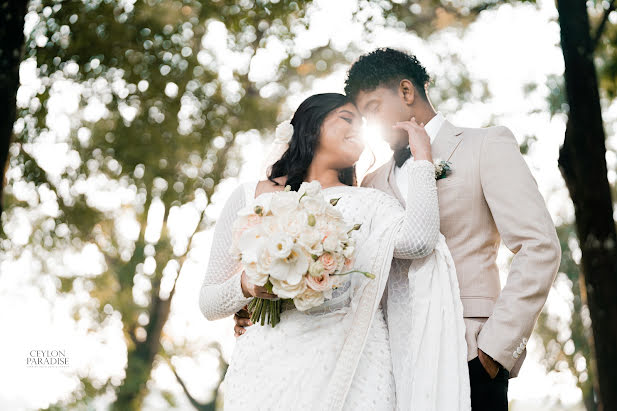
x=442, y=168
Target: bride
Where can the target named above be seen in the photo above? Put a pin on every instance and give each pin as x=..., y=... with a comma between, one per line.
x=395, y=342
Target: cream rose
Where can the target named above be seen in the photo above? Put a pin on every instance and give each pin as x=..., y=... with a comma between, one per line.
x=285, y=290
x=283, y=202
x=331, y=243
x=320, y=283
x=256, y=277
x=329, y=262
x=264, y=261
x=316, y=269
x=310, y=239
x=333, y=213
x=311, y=189
x=314, y=205
x=308, y=299
x=295, y=223
x=271, y=225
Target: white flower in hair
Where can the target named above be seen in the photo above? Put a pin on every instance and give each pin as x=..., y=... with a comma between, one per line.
x=284, y=131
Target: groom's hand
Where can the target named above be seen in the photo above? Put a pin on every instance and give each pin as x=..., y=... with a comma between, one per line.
x=491, y=366
x=242, y=319
x=419, y=140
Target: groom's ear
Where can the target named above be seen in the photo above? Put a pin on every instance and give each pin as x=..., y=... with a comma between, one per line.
x=407, y=91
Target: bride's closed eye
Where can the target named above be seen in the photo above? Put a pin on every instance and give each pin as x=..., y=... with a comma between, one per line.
x=347, y=119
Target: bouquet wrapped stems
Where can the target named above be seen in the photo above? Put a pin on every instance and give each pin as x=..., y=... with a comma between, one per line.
x=265, y=311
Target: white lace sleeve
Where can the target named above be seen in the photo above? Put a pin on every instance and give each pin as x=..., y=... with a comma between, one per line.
x=419, y=232
x=221, y=293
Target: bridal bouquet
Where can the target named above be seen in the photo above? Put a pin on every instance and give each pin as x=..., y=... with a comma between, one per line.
x=297, y=245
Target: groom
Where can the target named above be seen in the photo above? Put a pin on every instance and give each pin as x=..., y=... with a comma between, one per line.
x=489, y=196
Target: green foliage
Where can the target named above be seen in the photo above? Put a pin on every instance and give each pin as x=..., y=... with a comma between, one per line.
x=164, y=131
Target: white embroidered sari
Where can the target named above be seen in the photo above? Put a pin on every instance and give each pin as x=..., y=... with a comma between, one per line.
x=337, y=356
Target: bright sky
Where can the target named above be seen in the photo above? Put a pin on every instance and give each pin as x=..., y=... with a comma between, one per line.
x=508, y=48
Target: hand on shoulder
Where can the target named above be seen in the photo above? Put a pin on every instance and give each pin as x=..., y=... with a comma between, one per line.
x=267, y=186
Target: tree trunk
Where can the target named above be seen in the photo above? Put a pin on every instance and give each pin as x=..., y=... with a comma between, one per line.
x=140, y=361
x=12, y=15
x=583, y=166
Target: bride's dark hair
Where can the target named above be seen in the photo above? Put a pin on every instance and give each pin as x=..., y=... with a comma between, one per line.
x=307, y=121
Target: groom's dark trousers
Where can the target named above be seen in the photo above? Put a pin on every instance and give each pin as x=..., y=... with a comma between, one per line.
x=486, y=393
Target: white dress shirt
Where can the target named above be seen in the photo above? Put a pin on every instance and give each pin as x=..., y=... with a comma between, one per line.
x=400, y=173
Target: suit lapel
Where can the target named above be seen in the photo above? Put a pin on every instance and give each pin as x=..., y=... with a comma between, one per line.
x=446, y=141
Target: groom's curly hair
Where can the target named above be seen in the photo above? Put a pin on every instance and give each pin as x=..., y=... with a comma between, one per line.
x=385, y=67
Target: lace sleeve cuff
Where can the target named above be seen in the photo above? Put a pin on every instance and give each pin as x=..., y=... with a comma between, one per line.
x=224, y=299
x=237, y=295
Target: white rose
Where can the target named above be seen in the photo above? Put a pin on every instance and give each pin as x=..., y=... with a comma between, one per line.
x=321, y=223
x=333, y=213
x=310, y=189
x=271, y=225
x=250, y=239
x=283, y=202
x=256, y=277
x=285, y=290
x=316, y=269
x=251, y=262
x=331, y=244
x=348, y=251
x=264, y=261
x=310, y=238
x=280, y=245
x=314, y=205
x=308, y=299
x=292, y=268
x=295, y=222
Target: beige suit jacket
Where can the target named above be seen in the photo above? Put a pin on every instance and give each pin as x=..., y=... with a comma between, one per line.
x=491, y=196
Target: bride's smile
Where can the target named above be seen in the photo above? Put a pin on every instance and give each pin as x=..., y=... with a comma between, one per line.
x=340, y=144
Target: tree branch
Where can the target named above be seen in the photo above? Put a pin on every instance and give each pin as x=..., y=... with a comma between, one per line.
x=596, y=39
x=209, y=406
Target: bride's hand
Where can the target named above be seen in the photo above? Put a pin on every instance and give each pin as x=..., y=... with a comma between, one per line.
x=419, y=140
x=242, y=319
x=252, y=290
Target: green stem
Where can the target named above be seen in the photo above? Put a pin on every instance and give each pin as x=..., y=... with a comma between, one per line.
x=262, y=314
x=366, y=273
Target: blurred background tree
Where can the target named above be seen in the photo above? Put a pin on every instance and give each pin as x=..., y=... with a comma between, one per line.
x=157, y=118
x=582, y=161
x=11, y=54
